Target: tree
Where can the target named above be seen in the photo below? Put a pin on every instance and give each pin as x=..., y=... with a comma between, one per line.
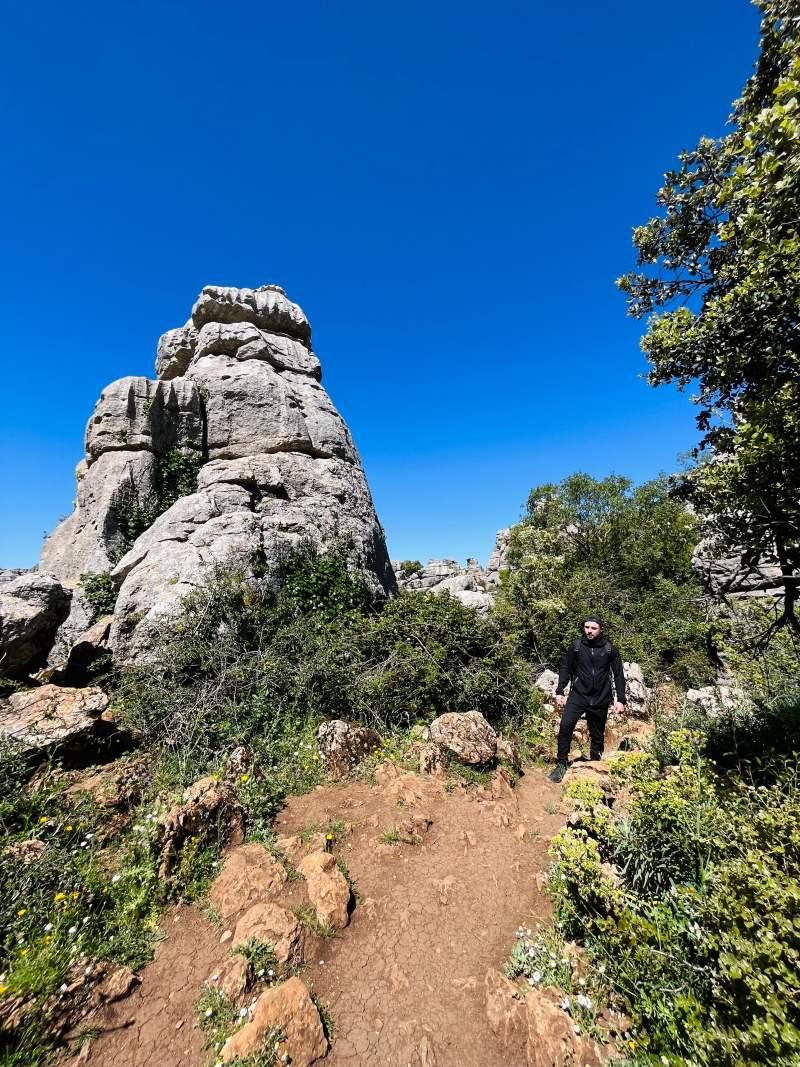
x=587, y=546
x=719, y=276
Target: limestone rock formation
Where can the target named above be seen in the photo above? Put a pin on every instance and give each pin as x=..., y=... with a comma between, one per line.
x=327, y=887
x=239, y=399
x=738, y=574
x=472, y=585
x=289, y=1008
x=32, y=607
x=53, y=718
x=467, y=735
x=343, y=745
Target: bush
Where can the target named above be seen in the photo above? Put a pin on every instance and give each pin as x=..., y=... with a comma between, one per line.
x=590, y=546
x=246, y=663
x=100, y=593
x=410, y=567
x=695, y=923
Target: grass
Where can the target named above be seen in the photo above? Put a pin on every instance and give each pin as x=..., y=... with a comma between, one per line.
x=307, y=916
x=334, y=831
x=390, y=836
x=348, y=878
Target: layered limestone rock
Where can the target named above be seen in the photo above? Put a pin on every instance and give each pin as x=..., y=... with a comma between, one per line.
x=238, y=396
x=472, y=585
x=32, y=607
x=740, y=574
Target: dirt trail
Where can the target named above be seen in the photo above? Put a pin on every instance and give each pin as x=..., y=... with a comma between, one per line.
x=404, y=982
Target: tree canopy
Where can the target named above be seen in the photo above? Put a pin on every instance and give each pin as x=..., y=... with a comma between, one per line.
x=719, y=277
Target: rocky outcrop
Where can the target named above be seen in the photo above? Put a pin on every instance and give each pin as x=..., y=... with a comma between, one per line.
x=286, y=1008
x=472, y=585
x=738, y=574
x=467, y=735
x=32, y=607
x=54, y=718
x=343, y=745
x=328, y=890
x=239, y=397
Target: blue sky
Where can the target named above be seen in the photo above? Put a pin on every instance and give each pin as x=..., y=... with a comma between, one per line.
x=448, y=189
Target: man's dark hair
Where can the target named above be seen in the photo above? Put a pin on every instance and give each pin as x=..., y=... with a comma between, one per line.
x=593, y=618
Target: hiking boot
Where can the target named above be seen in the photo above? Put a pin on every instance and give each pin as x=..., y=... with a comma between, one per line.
x=558, y=772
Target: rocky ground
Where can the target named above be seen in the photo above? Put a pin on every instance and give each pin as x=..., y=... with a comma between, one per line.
x=443, y=874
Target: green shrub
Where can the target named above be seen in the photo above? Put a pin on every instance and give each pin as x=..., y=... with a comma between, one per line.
x=410, y=567
x=100, y=593
x=246, y=663
x=590, y=546
x=694, y=924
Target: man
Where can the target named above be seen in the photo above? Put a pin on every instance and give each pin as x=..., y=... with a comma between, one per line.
x=587, y=666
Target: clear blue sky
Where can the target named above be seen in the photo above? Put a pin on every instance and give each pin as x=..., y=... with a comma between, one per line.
x=448, y=189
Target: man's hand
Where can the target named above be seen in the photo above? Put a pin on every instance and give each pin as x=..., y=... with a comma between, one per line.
x=560, y=700
x=618, y=709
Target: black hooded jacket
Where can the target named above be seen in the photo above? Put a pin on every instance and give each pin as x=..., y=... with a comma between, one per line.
x=588, y=665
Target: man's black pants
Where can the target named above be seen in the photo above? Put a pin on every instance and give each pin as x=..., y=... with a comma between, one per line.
x=595, y=720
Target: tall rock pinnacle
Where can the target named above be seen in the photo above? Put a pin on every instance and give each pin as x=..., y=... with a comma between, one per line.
x=235, y=450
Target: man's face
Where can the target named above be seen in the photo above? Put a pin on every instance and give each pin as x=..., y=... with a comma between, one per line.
x=591, y=629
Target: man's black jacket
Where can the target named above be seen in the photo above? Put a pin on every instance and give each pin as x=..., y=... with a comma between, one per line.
x=588, y=665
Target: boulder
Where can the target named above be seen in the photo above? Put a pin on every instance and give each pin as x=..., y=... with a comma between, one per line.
x=208, y=806
x=637, y=694
x=432, y=758
x=328, y=890
x=54, y=718
x=232, y=977
x=508, y=749
x=552, y=1040
x=32, y=607
x=239, y=389
x=288, y=1008
x=713, y=698
x=506, y=1010
x=342, y=746
x=467, y=735
x=250, y=874
x=547, y=683
x=273, y=925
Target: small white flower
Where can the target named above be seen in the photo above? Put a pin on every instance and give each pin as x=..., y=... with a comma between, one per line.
x=535, y=978
x=242, y=1013
x=48, y=928
x=214, y=977
x=584, y=1001
x=565, y=1004
x=577, y=1030
x=260, y=974
x=72, y=929
x=115, y=879
x=209, y=1012
x=63, y=988
x=271, y=973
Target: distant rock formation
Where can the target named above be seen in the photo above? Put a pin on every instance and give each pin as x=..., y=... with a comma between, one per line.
x=738, y=574
x=236, y=450
x=472, y=585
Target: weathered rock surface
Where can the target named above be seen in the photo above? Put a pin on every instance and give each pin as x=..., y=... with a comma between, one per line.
x=239, y=390
x=207, y=806
x=735, y=575
x=250, y=874
x=32, y=607
x=343, y=745
x=328, y=890
x=472, y=585
x=287, y=1007
x=274, y=925
x=467, y=735
x=53, y=718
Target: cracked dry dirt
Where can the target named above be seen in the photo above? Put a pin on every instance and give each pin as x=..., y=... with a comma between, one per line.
x=404, y=982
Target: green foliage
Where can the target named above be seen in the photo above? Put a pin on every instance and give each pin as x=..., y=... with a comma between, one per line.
x=244, y=663
x=410, y=567
x=589, y=546
x=100, y=593
x=688, y=905
x=134, y=507
x=719, y=276
x=541, y=958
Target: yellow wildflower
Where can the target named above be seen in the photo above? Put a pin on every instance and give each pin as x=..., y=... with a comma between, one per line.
x=75, y=894
x=68, y=829
x=43, y=819
x=3, y=988
x=316, y=758
x=21, y=912
x=245, y=777
x=23, y=952
x=58, y=896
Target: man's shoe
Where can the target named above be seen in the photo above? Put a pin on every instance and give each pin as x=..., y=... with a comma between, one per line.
x=558, y=772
